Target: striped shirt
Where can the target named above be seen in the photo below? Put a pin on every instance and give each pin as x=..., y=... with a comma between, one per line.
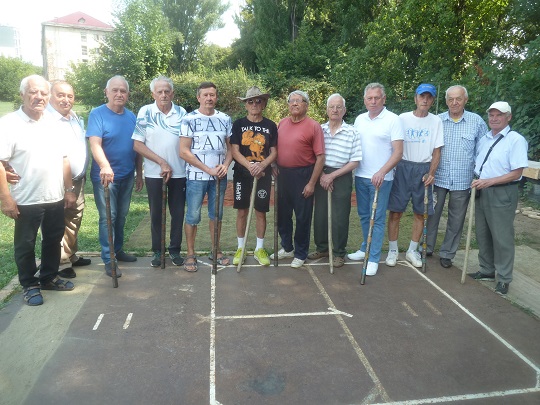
x=343, y=147
x=456, y=168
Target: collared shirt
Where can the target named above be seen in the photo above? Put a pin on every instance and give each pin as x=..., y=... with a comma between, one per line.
x=72, y=131
x=456, y=167
x=509, y=154
x=27, y=145
x=343, y=147
x=161, y=134
x=376, y=136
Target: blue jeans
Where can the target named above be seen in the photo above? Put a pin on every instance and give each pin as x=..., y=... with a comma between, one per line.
x=195, y=192
x=365, y=193
x=120, y=193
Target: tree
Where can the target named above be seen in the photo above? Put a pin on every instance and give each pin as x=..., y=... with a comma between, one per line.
x=12, y=71
x=190, y=20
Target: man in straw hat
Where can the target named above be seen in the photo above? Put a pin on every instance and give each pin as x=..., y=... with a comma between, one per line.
x=253, y=142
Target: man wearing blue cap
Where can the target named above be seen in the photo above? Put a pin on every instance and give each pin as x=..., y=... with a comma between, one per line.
x=423, y=139
x=498, y=169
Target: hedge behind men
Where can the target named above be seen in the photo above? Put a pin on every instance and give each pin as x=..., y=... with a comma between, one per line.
x=110, y=127
x=343, y=152
x=462, y=129
x=497, y=174
x=204, y=145
x=416, y=171
x=157, y=139
x=28, y=146
x=71, y=129
x=253, y=142
x=381, y=135
x=300, y=163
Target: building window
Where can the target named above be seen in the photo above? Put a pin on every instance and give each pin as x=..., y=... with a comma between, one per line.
x=84, y=50
x=83, y=37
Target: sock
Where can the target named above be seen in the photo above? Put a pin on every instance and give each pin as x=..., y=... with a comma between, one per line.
x=392, y=245
x=260, y=243
x=240, y=242
x=413, y=246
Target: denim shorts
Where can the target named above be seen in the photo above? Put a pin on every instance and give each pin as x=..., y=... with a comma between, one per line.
x=195, y=192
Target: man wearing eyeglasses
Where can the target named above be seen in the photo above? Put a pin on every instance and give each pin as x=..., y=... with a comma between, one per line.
x=381, y=135
x=300, y=162
x=253, y=143
x=343, y=152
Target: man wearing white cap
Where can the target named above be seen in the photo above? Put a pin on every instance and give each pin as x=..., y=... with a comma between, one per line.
x=502, y=155
x=423, y=133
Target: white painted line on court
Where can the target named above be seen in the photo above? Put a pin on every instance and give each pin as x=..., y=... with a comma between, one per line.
x=330, y=312
x=493, y=394
x=363, y=359
x=433, y=308
x=100, y=317
x=128, y=320
x=213, y=341
x=408, y=308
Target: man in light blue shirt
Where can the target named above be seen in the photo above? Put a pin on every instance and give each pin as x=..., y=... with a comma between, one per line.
x=501, y=157
x=462, y=130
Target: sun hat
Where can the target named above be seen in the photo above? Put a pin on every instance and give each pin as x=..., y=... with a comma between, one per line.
x=254, y=92
x=502, y=106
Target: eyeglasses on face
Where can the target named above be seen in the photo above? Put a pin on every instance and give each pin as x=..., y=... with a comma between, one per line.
x=254, y=100
x=335, y=107
x=297, y=101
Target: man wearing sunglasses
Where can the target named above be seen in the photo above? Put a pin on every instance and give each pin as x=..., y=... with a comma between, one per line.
x=253, y=142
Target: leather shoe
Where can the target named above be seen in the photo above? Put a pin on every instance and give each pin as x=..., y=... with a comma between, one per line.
x=122, y=256
x=68, y=272
x=81, y=261
x=446, y=263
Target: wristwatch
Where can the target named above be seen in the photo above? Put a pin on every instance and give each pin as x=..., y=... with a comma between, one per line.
x=70, y=189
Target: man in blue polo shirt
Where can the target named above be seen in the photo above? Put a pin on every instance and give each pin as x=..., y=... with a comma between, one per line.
x=110, y=127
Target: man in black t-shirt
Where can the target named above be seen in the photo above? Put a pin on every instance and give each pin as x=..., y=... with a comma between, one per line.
x=253, y=141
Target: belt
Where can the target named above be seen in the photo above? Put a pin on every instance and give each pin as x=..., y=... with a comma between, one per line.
x=506, y=184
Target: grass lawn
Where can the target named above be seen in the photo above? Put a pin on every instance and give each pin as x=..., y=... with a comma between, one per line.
x=5, y=108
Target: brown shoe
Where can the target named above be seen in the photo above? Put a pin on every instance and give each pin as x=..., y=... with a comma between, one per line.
x=317, y=255
x=338, y=261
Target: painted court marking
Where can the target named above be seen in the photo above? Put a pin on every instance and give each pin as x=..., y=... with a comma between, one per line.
x=378, y=391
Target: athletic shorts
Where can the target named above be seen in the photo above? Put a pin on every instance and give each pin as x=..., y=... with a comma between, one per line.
x=242, y=186
x=408, y=185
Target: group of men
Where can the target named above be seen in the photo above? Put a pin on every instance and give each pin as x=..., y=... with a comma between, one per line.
x=396, y=158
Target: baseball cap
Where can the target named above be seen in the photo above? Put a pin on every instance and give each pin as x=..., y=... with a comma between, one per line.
x=426, y=88
x=502, y=106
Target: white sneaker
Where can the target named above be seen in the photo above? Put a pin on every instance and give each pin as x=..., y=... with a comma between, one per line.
x=358, y=255
x=392, y=257
x=413, y=257
x=282, y=254
x=297, y=263
x=372, y=268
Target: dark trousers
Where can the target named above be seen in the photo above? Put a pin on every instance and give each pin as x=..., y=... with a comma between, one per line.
x=51, y=219
x=290, y=199
x=341, y=210
x=176, y=199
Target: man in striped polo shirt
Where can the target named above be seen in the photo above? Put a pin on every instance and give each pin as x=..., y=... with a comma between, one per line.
x=343, y=152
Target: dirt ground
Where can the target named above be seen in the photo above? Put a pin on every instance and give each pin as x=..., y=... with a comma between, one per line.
x=527, y=230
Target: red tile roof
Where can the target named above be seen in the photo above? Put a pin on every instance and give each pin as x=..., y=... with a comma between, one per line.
x=79, y=19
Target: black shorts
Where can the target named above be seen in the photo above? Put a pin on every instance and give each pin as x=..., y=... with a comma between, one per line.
x=242, y=186
x=407, y=186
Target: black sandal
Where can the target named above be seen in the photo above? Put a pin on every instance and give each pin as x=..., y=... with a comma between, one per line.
x=32, y=296
x=57, y=284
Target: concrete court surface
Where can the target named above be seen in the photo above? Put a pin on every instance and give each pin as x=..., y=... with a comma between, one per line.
x=269, y=336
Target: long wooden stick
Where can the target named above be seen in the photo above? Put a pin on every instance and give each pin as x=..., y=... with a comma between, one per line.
x=163, y=220
x=110, y=236
x=424, y=238
x=216, y=228
x=275, y=221
x=330, y=241
x=370, y=235
x=250, y=212
x=469, y=232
